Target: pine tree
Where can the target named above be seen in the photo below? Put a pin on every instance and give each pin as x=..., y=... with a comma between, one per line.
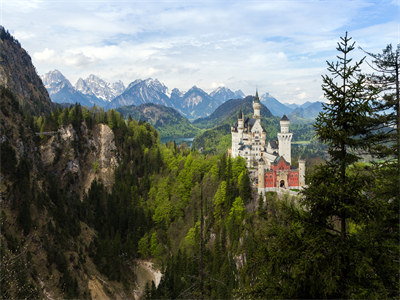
x=387, y=107
x=344, y=123
x=336, y=196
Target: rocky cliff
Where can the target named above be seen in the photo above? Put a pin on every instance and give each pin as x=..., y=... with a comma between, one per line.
x=86, y=156
x=19, y=75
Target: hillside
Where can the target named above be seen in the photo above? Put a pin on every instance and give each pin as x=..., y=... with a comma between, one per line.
x=166, y=120
x=19, y=75
x=277, y=108
x=227, y=113
x=213, y=141
x=93, y=206
x=308, y=111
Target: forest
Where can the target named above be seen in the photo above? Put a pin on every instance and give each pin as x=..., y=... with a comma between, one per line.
x=197, y=216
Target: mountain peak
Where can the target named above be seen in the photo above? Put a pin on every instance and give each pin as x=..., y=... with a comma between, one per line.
x=222, y=94
x=97, y=87
x=54, y=81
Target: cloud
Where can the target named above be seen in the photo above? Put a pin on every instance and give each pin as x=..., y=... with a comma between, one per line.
x=275, y=45
x=45, y=55
x=67, y=58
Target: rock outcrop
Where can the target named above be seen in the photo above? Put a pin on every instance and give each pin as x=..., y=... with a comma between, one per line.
x=86, y=156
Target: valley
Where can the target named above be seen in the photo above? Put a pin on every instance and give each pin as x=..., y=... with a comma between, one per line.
x=133, y=192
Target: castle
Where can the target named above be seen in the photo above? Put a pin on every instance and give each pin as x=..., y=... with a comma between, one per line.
x=272, y=160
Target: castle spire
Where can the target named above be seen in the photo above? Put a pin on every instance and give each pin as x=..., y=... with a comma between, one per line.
x=256, y=106
x=256, y=98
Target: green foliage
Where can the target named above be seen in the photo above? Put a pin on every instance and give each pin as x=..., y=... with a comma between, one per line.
x=168, y=122
x=244, y=186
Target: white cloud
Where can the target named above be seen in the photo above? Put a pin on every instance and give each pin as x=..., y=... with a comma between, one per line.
x=275, y=45
x=215, y=85
x=45, y=55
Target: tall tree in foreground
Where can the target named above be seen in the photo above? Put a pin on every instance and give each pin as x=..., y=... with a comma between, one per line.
x=344, y=124
x=338, y=198
x=329, y=248
x=387, y=109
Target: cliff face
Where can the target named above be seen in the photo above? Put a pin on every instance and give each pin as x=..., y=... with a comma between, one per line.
x=19, y=75
x=44, y=244
x=83, y=157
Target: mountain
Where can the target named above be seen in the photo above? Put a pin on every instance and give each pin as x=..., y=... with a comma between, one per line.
x=308, y=110
x=166, y=120
x=196, y=103
x=62, y=91
x=19, y=75
x=142, y=91
x=291, y=105
x=228, y=113
x=95, y=86
x=276, y=107
x=223, y=94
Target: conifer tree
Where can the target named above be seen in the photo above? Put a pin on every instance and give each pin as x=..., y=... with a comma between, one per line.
x=387, y=107
x=344, y=124
x=336, y=196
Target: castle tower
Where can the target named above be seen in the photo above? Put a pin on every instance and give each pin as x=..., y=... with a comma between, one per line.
x=285, y=139
x=302, y=172
x=240, y=122
x=261, y=174
x=257, y=107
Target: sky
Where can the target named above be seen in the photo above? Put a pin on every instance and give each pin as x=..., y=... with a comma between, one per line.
x=280, y=47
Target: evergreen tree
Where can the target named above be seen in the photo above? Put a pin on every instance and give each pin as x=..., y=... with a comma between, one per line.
x=336, y=197
x=387, y=106
x=344, y=124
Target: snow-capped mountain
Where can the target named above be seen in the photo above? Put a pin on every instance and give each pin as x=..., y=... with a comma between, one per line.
x=223, y=94
x=95, y=86
x=62, y=91
x=54, y=82
x=142, y=91
x=195, y=103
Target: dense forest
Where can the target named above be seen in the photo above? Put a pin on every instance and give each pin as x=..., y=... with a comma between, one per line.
x=197, y=216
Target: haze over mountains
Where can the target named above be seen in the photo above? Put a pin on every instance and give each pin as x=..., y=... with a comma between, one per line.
x=194, y=103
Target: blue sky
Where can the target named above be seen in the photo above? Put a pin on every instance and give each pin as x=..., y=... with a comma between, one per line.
x=280, y=47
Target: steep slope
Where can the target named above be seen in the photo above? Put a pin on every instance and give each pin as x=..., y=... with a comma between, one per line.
x=227, y=113
x=140, y=92
x=45, y=236
x=165, y=119
x=62, y=91
x=276, y=107
x=95, y=86
x=18, y=75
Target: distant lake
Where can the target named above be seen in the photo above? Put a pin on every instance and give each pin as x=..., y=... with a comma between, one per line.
x=179, y=141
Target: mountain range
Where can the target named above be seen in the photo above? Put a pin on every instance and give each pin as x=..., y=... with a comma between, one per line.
x=194, y=103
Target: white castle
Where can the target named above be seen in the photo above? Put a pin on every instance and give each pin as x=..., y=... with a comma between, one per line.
x=273, y=160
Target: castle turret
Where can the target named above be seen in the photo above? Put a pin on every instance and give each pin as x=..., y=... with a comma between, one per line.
x=302, y=172
x=257, y=107
x=240, y=121
x=285, y=139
